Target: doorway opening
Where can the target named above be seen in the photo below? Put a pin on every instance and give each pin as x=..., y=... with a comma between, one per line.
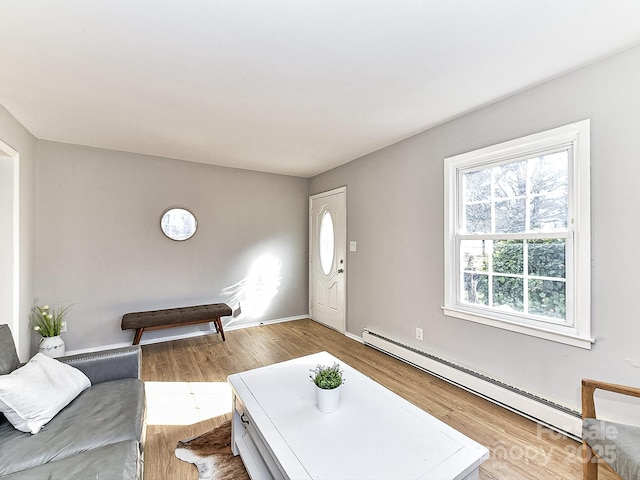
x=9, y=239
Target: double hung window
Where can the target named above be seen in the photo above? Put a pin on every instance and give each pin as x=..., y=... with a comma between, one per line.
x=517, y=247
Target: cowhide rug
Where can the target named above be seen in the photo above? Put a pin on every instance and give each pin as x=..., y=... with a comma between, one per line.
x=211, y=454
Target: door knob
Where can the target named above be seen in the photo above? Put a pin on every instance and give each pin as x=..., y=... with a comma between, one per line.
x=340, y=270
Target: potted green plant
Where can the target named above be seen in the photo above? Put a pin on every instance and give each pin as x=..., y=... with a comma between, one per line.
x=328, y=380
x=48, y=322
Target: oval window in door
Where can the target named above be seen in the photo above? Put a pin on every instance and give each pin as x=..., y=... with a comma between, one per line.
x=327, y=242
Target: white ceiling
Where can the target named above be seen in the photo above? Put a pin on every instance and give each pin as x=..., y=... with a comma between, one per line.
x=286, y=86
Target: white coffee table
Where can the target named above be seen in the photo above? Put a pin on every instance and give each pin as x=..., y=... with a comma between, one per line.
x=375, y=434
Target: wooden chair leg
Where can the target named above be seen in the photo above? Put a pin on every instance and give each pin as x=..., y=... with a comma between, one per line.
x=589, y=463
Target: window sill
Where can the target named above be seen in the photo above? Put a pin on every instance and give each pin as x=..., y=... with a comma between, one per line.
x=569, y=336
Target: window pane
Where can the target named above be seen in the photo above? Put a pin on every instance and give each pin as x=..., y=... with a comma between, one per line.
x=477, y=186
x=549, y=214
x=508, y=256
x=510, y=216
x=548, y=174
x=476, y=288
x=478, y=218
x=508, y=293
x=474, y=258
x=548, y=298
x=510, y=180
x=547, y=257
x=327, y=242
x=473, y=255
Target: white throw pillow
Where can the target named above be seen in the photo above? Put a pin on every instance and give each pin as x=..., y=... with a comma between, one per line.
x=34, y=393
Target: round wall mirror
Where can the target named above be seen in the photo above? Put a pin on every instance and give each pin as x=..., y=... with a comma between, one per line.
x=178, y=224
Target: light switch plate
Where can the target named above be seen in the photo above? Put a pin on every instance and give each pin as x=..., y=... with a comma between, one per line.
x=353, y=246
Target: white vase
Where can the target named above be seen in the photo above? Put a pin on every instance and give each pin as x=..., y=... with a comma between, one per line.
x=52, y=346
x=328, y=400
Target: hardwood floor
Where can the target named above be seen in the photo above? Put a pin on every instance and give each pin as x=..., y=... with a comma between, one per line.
x=519, y=449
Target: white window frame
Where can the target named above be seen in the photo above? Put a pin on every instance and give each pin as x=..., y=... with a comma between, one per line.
x=577, y=330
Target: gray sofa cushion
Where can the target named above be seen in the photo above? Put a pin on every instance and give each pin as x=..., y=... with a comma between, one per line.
x=119, y=461
x=104, y=414
x=9, y=360
x=616, y=443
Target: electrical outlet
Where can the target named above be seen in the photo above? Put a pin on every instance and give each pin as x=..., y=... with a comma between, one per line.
x=63, y=328
x=419, y=333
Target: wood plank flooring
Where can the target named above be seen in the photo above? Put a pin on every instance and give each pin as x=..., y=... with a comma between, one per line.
x=519, y=449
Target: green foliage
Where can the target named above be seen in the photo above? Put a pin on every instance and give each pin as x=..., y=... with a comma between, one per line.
x=546, y=258
x=507, y=256
x=47, y=321
x=547, y=298
x=327, y=377
x=508, y=291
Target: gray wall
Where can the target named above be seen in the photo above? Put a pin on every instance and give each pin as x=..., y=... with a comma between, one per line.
x=395, y=213
x=100, y=247
x=17, y=137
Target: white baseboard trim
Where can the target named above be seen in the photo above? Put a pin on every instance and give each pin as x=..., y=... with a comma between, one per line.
x=199, y=333
x=354, y=337
x=541, y=411
x=265, y=322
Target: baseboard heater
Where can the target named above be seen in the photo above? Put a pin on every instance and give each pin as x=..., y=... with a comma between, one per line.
x=545, y=412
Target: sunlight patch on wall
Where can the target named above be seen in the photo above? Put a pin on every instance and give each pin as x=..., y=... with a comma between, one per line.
x=253, y=294
x=186, y=403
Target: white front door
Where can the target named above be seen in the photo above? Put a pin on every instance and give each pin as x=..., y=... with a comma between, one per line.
x=327, y=259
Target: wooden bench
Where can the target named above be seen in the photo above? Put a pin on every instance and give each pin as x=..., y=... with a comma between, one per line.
x=175, y=317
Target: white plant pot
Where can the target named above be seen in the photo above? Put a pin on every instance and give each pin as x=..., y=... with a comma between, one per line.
x=328, y=400
x=52, y=346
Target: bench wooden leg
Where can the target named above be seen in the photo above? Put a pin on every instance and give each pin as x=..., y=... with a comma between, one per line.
x=138, y=336
x=218, y=323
